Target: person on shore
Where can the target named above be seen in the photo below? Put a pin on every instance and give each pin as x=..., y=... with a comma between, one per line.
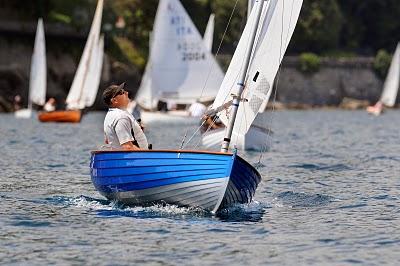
x=121, y=130
x=17, y=102
x=50, y=105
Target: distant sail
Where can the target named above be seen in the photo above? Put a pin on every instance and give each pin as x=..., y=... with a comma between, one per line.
x=278, y=20
x=38, y=75
x=180, y=68
x=77, y=97
x=209, y=33
x=94, y=74
x=391, y=85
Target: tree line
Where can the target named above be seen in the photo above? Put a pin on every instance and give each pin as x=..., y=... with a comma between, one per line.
x=326, y=28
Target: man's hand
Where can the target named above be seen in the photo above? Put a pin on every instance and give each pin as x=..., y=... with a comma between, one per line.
x=129, y=146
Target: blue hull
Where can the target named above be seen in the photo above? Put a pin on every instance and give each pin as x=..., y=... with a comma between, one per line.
x=185, y=178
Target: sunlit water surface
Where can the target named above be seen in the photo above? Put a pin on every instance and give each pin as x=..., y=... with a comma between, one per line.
x=330, y=195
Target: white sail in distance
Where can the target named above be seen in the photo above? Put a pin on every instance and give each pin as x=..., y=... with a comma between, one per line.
x=94, y=74
x=277, y=23
x=76, y=98
x=38, y=75
x=392, y=82
x=180, y=68
x=209, y=33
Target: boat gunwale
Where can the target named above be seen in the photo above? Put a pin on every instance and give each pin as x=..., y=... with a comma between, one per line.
x=168, y=150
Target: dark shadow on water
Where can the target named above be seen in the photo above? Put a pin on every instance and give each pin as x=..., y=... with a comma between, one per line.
x=303, y=200
x=321, y=167
x=252, y=212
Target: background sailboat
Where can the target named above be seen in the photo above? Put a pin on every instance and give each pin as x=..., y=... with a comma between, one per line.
x=87, y=77
x=178, y=62
x=38, y=74
x=390, y=87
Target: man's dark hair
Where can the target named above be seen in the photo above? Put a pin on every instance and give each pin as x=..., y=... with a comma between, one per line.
x=111, y=91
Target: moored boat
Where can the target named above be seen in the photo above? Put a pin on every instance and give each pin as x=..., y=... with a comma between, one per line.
x=65, y=116
x=209, y=180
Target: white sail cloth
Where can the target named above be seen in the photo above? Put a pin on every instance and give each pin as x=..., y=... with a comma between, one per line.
x=38, y=75
x=180, y=68
x=392, y=82
x=276, y=26
x=87, y=77
x=209, y=33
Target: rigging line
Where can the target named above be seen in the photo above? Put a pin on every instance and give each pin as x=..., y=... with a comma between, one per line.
x=208, y=129
x=190, y=139
x=279, y=72
x=219, y=48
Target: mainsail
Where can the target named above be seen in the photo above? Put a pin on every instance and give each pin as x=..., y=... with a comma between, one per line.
x=277, y=23
x=209, y=33
x=86, y=80
x=180, y=68
x=37, y=79
x=392, y=82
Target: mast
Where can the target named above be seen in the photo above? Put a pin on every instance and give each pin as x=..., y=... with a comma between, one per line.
x=241, y=83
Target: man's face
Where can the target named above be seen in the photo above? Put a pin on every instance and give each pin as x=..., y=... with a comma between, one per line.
x=121, y=99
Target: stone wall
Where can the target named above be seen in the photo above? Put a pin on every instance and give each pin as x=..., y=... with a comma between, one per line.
x=335, y=80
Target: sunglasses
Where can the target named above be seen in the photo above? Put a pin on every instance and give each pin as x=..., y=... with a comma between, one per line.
x=119, y=92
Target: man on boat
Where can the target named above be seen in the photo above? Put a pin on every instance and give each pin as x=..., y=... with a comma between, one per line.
x=121, y=130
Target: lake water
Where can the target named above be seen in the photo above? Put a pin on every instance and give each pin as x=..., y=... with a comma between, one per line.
x=330, y=195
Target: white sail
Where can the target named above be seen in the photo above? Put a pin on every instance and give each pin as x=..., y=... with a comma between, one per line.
x=77, y=97
x=250, y=4
x=391, y=85
x=209, y=33
x=37, y=79
x=94, y=75
x=38, y=74
x=277, y=23
x=180, y=68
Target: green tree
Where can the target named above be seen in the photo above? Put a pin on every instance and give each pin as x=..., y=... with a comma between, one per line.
x=319, y=26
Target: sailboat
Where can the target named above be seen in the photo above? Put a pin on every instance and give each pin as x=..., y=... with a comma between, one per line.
x=390, y=87
x=258, y=137
x=181, y=69
x=197, y=178
x=37, y=78
x=86, y=82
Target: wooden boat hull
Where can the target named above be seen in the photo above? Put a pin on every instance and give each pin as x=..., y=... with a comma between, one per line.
x=185, y=178
x=65, y=116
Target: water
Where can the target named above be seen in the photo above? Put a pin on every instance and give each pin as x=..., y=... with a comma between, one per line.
x=330, y=195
